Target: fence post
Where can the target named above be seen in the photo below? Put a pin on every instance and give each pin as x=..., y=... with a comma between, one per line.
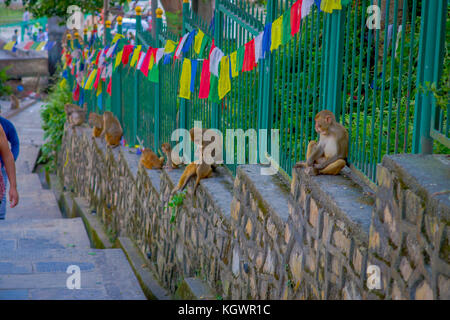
x=218, y=25
x=136, y=80
x=334, y=50
x=118, y=72
x=430, y=60
x=266, y=85
x=157, y=117
x=106, y=99
x=183, y=102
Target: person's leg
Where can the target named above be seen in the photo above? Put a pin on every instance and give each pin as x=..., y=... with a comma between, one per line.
x=3, y=204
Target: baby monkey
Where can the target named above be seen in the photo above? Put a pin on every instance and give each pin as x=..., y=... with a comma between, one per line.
x=172, y=162
x=96, y=122
x=150, y=160
x=329, y=155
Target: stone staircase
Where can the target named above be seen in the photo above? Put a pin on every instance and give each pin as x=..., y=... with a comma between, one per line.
x=37, y=244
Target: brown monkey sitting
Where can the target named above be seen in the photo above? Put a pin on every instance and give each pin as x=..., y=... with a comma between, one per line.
x=202, y=170
x=96, y=122
x=172, y=162
x=112, y=130
x=15, y=103
x=150, y=160
x=329, y=155
x=74, y=114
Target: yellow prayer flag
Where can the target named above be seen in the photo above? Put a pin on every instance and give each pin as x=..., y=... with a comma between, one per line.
x=170, y=46
x=117, y=36
x=99, y=88
x=9, y=45
x=185, y=80
x=277, y=27
x=151, y=63
x=233, y=62
x=135, y=55
x=330, y=5
x=90, y=81
x=118, y=59
x=62, y=84
x=198, y=41
x=41, y=45
x=224, y=85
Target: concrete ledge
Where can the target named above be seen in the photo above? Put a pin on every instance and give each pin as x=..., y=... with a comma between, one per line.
x=194, y=289
x=340, y=195
x=94, y=227
x=150, y=286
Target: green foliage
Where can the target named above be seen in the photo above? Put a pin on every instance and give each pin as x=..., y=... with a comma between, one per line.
x=175, y=202
x=49, y=8
x=174, y=21
x=4, y=89
x=53, y=118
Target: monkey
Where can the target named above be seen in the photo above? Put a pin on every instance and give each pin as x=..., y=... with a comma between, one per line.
x=150, y=160
x=15, y=104
x=202, y=170
x=329, y=155
x=172, y=162
x=96, y=121
x=112, y=130
x=75, y=114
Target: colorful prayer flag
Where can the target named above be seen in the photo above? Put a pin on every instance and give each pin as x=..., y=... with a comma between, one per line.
x=330, y=5
x=204, y=80
x=194, y=64
x=224, y=85
x=296, y=17
x=185, y=79
x=135, y=56
x=233, y=60
x=118, y=59
x=170, y=46
x=214, y=60
x=249, y=56
x=198, y=41
x=277, y=26
x=286, y=33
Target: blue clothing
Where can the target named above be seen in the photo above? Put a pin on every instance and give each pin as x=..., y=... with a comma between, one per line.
x=3, y=203
x=11, y=135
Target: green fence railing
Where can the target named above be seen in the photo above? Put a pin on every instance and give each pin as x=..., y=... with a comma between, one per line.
x=372, y=79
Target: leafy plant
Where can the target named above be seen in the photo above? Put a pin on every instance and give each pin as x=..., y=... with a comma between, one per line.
x=4, y=89
x=53, y=118
x=175, y=202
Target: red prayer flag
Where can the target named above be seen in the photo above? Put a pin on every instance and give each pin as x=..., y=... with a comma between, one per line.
x=249, y=56
x=145, y=63
x=296, y=15
x=108, y=89
x=76, y=93
x=98, y=56
x=28, y=45
x=174, y=53
x=97, y=77
x=127, y=49
x=204, y=80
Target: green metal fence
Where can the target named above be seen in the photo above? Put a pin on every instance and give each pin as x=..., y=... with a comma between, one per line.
x=376, y=81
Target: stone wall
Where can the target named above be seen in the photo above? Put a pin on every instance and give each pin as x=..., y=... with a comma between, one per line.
x=256, y=237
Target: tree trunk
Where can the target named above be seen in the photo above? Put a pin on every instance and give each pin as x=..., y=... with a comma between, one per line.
x=55, y=33
x=203, y=9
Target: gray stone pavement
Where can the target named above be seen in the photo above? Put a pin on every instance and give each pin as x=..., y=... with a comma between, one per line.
x=37, y=244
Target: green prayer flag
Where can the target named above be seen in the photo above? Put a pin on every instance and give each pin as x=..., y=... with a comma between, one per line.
x=153, y=75
x=205, y=42
x=286, y=29
x=214, y=89
x=240, y=57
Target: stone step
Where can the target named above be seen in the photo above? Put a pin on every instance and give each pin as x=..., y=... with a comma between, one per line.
x=41, y=274
x=28, y=156
x=43, y=234
x=34, y=201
